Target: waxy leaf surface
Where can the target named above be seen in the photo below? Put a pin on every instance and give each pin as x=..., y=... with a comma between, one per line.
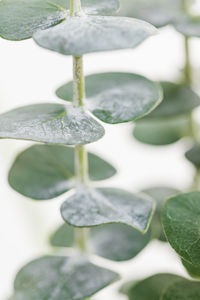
x=150, y=288
x=188, y=26
x=45, y=172
x=182, y=290
x=159, y=194
x=50, y=123
x=85, y=34
x=20, y=19
x=126, y=242
x=193, y=270
x=58, y=278
x=181, y=219
x=88, y=208
x=117, y=97
x=193, y=155
x=162, y=131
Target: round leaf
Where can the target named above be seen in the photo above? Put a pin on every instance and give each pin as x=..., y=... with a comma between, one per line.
x=57, y=277
x=20, y=19
x=50, y=123
x=188, y=26
x=85, y=34
x=157, y=12
x=88, y=208
x=181, y=219
x=161, y=132
x=193, y=155
x=194, y=271
x=182, y=290
x=159, y=194
x=150, y=288
x=178, y=100
x=126, y=243
x=45, y=172
x=117, y=97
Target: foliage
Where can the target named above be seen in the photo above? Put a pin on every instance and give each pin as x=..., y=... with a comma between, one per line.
x=94, y=216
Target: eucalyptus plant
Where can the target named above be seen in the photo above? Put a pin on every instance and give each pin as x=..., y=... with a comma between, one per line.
x=171, y=121
x=93, y=216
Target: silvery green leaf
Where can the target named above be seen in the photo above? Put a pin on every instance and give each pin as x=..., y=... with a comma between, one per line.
x=50, y=123
x=20, y=19
x=117, y=97
x=188, y=26
x=157, y=12
x=162, y=131
x=58, y=278
x=127, y=242
x=193, y=155
x=45, y=172
x=84, y=34
x=92, y=207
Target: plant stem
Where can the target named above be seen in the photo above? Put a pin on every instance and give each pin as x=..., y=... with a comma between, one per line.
x=75, y=7
x=81, y=159
x=188, y=67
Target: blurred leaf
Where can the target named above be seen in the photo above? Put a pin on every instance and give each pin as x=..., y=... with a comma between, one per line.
x=117, y=97
x=80, y=35
x=157, y=12
x=20, y=19
x=58, y=277
x=88, y=208
x=178, y=100
x=193, y=155
x=126, y=243
x=182, y=290
x=161, y=132
x=159, y=194
x=181, y=219
x=188, y=26
x=50, y=123
x=45, y=172
x=150, y=288
x=193, y=271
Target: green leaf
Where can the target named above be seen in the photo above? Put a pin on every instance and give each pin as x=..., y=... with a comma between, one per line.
x=181, y=219
x=50, y=123
x=57, y=278
x=88, y=208
x=127, y=242
x=159, y=194
x=188, y=26
x=161, y=132
x=150, y=288
x=193, y=271
x=157, y=12
x=80, y=35
x=117, y=97
x=178, y=100
x=182, y=290
x=193, y=155
x=20, y=19
x=45, y=172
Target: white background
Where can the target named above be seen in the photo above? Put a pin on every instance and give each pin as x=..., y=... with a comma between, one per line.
x=29, y=74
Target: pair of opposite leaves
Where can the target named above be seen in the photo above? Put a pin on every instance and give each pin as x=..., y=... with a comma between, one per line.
x=111, y=97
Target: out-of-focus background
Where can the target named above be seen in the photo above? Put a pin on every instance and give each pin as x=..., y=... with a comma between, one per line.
x=29, y=74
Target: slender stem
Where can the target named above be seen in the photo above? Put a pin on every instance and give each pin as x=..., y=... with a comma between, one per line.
x=188, y=67
x=75, y=7
x=81, y=159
